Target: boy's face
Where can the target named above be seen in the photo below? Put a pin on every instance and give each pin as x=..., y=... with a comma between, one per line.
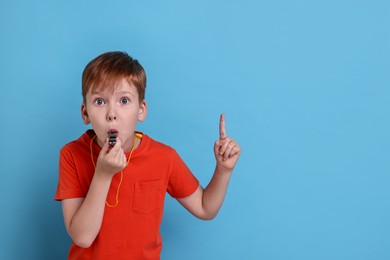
x=117, y=110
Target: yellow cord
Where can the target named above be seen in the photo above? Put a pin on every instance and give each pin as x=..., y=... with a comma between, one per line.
x=137, y=135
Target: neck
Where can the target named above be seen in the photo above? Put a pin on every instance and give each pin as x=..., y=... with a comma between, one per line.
x=132, y=144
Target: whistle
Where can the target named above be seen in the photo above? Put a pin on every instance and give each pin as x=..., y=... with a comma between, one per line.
x=112, y=139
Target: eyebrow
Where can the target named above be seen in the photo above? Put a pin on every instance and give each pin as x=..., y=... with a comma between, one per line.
x=120, y=93
x=96, y=93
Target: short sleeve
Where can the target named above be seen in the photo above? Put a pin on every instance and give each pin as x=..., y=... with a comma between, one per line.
x=182, y=182
x=68, y=182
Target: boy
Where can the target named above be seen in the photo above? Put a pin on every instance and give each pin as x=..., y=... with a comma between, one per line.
x=113, y=179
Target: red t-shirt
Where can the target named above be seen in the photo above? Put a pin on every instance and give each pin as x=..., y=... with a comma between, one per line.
x=131, y=230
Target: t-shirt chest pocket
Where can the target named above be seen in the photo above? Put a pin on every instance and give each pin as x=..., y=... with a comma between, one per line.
x=148, y=196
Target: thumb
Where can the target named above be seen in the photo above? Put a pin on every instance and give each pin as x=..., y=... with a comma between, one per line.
x=217, y=146
x=105, y=148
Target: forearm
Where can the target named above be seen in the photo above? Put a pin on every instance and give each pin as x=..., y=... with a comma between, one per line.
x=214, y=193
x=86, y=222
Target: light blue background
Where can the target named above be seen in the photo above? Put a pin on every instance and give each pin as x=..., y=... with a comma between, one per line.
x=305, y=89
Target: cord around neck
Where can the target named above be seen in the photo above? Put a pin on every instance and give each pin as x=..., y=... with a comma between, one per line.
x=136, y=135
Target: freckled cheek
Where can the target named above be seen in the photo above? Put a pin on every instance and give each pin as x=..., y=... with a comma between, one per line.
x=99, y=125
x=97, y=121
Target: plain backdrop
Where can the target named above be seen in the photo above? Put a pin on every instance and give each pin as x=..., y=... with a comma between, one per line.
x=305, y=88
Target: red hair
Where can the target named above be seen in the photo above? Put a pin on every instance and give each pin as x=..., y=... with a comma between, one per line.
x=110, y=68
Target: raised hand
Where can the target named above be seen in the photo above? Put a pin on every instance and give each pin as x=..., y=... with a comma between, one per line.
x=226, y=150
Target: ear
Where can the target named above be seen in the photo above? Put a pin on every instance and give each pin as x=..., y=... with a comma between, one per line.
x=143, y=111
x=84, y=114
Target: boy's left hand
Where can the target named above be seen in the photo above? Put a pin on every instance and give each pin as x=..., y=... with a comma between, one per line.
x=226, y=150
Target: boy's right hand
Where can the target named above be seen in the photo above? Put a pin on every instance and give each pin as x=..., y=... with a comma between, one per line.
x=111, y=161
x=226, y=150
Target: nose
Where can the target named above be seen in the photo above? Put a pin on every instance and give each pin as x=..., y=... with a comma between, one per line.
x=111, y=114
x=111, y=117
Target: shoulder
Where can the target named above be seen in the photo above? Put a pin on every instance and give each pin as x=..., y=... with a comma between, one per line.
x=153, y=146
x=76, y=146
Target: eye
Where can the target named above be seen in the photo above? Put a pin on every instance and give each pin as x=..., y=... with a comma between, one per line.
x=125, y=101
x=99, y=101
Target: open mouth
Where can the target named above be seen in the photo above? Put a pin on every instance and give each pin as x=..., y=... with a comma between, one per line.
x=113, y=132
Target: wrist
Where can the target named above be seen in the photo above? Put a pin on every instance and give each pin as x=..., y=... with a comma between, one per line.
x=222, y=170
x=103, y=176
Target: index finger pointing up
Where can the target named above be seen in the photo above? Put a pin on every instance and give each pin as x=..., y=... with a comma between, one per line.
x=222, y=128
